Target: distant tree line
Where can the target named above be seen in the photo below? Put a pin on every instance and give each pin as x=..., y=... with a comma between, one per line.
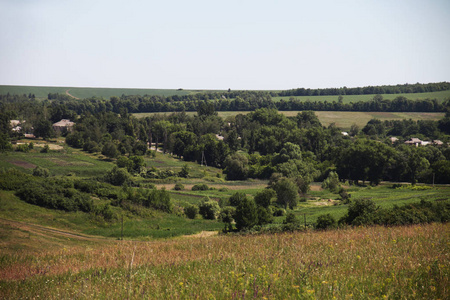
x=368, y=90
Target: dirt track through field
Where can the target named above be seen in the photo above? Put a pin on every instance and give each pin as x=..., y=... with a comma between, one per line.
x=67, y=93
x=39, y=229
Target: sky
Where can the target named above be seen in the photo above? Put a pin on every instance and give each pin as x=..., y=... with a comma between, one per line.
x=245, y=44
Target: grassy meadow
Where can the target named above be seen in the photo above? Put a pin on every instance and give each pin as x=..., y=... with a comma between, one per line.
x=342, y=119
x=439, y=96
x=53, y=254
x=361, y=263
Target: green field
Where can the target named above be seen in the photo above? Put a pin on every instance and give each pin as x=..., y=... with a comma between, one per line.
x=156, y=225
x=53, y=254
x=85, y=92
x=342, y=119
x=439, y=96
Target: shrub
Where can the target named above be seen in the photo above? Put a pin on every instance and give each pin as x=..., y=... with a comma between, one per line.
x=265, y=215
x=326, y=221
x=200, y=187
x=118, y=176
x=184, y=171
x=237, y=198
x=332, y=182
x=51, y=195
x=178, y=187
x=160, y=200
x=264, y=198
x=191, y=211
x=246, y=214
x=278, y=211
x=344, y=195
x=227, y=215
x=22, y=148
x=46, y=149
x=13, y=179
x=360, y=211
x=291, y=218
x=209, y=209
x=41, y=172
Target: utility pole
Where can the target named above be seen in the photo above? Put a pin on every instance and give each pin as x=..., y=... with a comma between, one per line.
x=203, y=159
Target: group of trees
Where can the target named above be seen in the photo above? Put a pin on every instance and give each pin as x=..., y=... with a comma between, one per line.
x=368, y=90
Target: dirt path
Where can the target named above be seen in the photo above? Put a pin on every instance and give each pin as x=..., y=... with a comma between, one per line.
x=67, y=93
x=39, y=229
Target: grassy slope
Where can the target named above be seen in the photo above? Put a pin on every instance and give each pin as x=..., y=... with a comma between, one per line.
x=343, y=119
x=361, y=263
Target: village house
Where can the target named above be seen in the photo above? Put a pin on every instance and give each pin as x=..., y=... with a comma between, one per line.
x=61, y=126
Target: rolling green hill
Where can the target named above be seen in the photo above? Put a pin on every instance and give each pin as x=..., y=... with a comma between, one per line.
x=85, y=92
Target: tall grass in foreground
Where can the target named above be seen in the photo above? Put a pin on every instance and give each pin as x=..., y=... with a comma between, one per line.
x=361, y=263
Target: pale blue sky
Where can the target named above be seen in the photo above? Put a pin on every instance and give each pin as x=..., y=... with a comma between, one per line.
x=210, y=44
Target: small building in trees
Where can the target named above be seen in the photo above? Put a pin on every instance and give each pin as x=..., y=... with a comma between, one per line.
x=63, y=125
x=414, y=141
x=393, y=139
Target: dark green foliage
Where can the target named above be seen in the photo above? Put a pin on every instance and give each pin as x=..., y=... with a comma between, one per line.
x=110, y=150
x=184, y=171
x=236, y=167
x=291, y=218
x=160, y=200
x=287, y=193
x=278, y=211
x=43, y=128
x=227, y=215
x=191, y=211
x=41, y=172
x=12, y=179
x=264, y=198
x=46, y=149
x=178, y=187
x=332, y=183
x=415, y=213
x=360, y=211
x=5, y=144
x=345, y=196
x=23, y=148
x=246, y=214
x=364, y=212
x=118, y=176
x=51, y=194
x=200, y=187
x=75, y=139
x=237, y=198
x=326, y=221
x=209, y=209
x=265, y=215
x=91, y=147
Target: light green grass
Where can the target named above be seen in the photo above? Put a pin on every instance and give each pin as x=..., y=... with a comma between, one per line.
x=439, y=96
x=58, y=163
x=342, y=119
x=384, y=196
